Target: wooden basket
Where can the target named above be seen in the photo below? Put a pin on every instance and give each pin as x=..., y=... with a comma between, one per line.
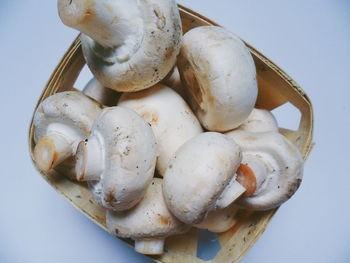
x=275, y=89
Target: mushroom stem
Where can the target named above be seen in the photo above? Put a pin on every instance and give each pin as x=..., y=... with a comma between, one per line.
x=252, y=173
x=89, y=164
x=232, y=191
x=51, y=150
x=149, y=246
x=110, y=24
x=246, y=177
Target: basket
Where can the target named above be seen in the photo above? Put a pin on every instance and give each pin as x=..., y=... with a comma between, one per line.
x=275, y=89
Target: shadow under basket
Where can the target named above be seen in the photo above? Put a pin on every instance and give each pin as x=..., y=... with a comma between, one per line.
x=276, y=88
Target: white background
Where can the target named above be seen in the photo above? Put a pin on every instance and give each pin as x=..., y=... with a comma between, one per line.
x=310, y=40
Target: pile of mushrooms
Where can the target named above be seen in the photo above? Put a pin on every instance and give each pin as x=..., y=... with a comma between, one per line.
x=183, y=144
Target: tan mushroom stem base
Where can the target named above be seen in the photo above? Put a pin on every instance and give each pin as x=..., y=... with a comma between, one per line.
x=50, y=151
x=249, y=177
x=89, y=164
x=149, y=246
x=251, y=174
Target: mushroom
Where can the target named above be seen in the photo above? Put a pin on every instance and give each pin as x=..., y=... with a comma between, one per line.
x=148, y=223
x=105, y=96
x=172, y=121
x=271, y=169
x=259, y=120
x=118, y=159
x=201, y=177
x=61, y=121
x=219, y=74
x=220, y=220
x=128, y=45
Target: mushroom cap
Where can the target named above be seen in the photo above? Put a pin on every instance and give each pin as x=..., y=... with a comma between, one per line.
x=220, y=220
x=127, y=148
x=172, y=121
x=150, y=218
x=128, y=45
x=198, y=174
x=70, y=113
x=280, y=163
x=219, y=73
x=259, y=120
x=105, y=96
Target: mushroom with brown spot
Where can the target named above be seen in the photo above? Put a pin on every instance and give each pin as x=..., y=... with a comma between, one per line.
x=219, y=74
x=118, y=158
x=148, y=223
x=172, y=121
x=61, y=121
x=271, y=168
x=220, y=220
x=128, y=45
x=201, y=177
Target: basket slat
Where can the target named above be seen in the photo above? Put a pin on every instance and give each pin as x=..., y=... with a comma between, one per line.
x=185, y=243
x=250, y=229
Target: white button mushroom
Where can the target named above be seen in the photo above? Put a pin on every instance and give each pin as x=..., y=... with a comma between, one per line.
x=148, y=223
x=172, y=121
x=259, y=120
x=201, y=176
x=221, y=220
x=271, y=169
x=118, y=159
x=105, y=96
x=219, y=73
x=61, y=121
x=129, y=45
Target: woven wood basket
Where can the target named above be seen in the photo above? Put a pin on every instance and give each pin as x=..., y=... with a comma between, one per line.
x=275, y=89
